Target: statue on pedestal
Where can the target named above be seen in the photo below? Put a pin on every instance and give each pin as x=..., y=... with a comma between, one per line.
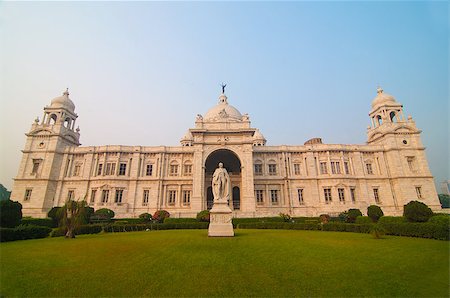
x=221, y=184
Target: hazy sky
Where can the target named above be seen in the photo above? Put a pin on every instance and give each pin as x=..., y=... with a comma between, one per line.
x=139, y=72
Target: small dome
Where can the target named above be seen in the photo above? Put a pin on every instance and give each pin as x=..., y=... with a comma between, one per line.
x=382, y=98
x=63, y=101
x=223, y=111
x=187, y=137
x=258, y=135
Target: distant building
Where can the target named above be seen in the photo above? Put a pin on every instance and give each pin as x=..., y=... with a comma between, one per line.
x=302, y=180
x=445, y=187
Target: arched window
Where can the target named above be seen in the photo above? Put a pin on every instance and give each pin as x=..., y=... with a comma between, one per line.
x=173, y=171
x=393, y=116
x=52, y=119
x=379, y=120
x=67, y=123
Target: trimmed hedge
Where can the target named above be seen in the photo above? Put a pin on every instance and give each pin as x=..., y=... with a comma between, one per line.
x=40, y=222
x=23, y=232
x=392, y=219
x=151, y=227
x=363, y=220
x=179, y=220
x=82, y=230
x=347, y=227
x=278, y=225
x=423, y=230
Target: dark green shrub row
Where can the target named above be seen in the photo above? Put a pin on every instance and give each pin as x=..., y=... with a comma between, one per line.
x=423, y=230
x=10, y=213
x=278, y=225
x=23, y=232
x=347, y=227
x=392, y=219
x=82, y=230
x=41, y=222
x=363, y=220
x=151, y=227
x=237, y=221
x=179, y=220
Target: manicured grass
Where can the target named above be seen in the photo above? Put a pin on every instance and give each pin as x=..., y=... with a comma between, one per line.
x=254, y=263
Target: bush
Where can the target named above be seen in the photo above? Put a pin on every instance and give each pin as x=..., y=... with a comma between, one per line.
x=440, y=218
x=285, y=217
x=278, y=225
x=416, y=211
x=444, y=200
x=374, y=212
x=377, y=231
x=105, y=213
x=88, y=212
x=23, y=232
x=391, y=219
x=10, y=213
x=414, y=229
x=352, y=215
x=160, y=215
x=150, y=227
x=324, y=218
x=363, y=220
x=203, y=216
x=40, y=222
x=347, y=227
x=55, y=215
x=343, y=216
x=146, y=217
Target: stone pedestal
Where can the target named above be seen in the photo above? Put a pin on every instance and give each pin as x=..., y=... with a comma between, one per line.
x=220, y=221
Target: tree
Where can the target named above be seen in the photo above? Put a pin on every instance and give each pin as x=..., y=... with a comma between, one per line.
x=73, y=216
x=145, y=217
x=374, y=212
x=445, y=200
x=10, y=213
x=416, y=211
x=160, y=215
x=353, y=214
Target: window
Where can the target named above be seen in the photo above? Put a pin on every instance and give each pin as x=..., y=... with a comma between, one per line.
x=258, y=169
x=419, y=192
x=173, y=170
x=99, y=169
x=335, y=167
x=272, y=169
x=274, y=196
x=300, y=196
x=411, y=163
x=77, y=170
x=172, y=197
x=369, y=168
x=36, y=164
x=110, y=168
x=149, y=170
x=346, y=168
x=119, y=195
x=70, y=195
x=376, y=195
x=259, y=197
x=27, y=196
x=105, y=196
x=341, y=195
x=188, y=170
x=323, y=168
x=297, y=169
x=186, y=197
x=93, y=193
x=327, y=194
x=145, y=197
x=353, y=195
x=122, y=169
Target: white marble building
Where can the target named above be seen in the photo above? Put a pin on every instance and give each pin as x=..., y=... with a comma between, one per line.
x=301, y=180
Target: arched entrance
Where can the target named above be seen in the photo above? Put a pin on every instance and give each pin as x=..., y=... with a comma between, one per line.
x=230, y=162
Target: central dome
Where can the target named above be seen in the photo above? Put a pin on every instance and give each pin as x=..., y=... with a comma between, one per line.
x=63, y=101
x=382, y=98
x=223, y=111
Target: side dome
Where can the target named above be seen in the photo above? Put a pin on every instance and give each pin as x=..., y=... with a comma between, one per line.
x=258, y=138
x=223, y=111
x=63, y=101
x=382, y=98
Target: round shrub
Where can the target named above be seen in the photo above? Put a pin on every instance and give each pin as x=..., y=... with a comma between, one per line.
x=343, y=216
x=416, y=211
x=55, y=215
x=324, y=218
x=146, y=217
x=374, y=212
x=88, y=212
x=105, y=213
x=352, y=214
x=203, y=216
x=160, y=215
x=10, y=213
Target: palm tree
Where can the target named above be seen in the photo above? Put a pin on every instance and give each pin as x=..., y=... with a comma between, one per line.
x=73, y=216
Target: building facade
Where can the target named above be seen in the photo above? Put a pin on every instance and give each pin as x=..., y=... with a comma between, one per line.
x=390, y=170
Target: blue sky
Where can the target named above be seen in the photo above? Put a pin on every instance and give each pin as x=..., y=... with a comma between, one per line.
x=300, y=69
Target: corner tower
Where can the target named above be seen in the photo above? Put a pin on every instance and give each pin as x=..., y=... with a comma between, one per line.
x=403, y=151
x=41, y=165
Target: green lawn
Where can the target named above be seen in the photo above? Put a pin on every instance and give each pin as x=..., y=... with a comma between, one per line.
x=253, y=263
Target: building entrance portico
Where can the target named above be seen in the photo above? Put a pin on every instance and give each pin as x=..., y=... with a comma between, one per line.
x=232, y=164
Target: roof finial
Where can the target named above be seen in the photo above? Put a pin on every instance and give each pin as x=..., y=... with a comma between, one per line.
x=223, y=87
x=66, y=92
x=379, y=89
